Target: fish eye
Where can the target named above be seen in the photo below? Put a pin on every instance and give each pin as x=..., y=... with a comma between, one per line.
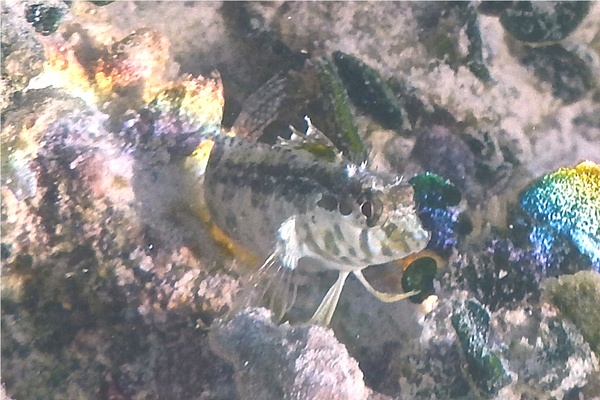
x=367, y=209
x=370, y=207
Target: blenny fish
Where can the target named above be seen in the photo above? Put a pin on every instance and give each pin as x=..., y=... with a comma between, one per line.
x=302, y=199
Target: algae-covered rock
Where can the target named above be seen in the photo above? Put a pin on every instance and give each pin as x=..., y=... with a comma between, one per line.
x=332, y=112
x=555, y=360
x=369, y=91
x=436, y=200
x=22, y=53
x=577, y=297
x=472, y=324
x=46, y=16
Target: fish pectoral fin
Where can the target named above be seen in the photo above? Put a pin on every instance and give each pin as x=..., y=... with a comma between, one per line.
x=383, y=296
x=275, y=286
x=287, y=247
x=329, y=303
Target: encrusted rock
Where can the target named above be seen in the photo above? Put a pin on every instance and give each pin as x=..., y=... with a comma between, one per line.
x=282, y=362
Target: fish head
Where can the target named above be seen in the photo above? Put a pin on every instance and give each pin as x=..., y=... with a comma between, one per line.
x=373, y=222
x=386, y=210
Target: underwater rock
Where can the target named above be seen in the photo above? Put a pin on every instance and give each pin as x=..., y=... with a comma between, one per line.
x=101, y=3
x=138, y=60
x=25, y=128
x=275, y=362
x=419, y=275
x=451, y=32
x=577, y=297
x=435, y=199
x=565, y=204
x=369, y=91
x=536, y=22
x=441, y=151
x=567, y=73
x=472, y=324
x=22, y=53
x=180, y=114
x=87, y=286
x=331, y=113
x=493, y=8
x=500, y=275
x=555, y=359
x=46, y=16
x=475, y=57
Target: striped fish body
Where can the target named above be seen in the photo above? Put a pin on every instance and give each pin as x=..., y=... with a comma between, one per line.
x=285, y=202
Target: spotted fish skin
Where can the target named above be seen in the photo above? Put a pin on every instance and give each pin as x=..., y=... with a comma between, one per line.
x=286, y=202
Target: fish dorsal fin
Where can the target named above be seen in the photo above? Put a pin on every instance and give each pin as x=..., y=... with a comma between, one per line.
x=261, y=108
x=313, y=141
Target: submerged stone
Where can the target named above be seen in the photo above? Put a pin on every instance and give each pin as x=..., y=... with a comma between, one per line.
x=472, y=325
x=45, y=18
x=536, y=22
x=435, y=199
x=568, y=74
x=183, y=113
x=419, y=276
x=370, y=92
x=332, y=112
x=566, y=204
x=577, y=297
